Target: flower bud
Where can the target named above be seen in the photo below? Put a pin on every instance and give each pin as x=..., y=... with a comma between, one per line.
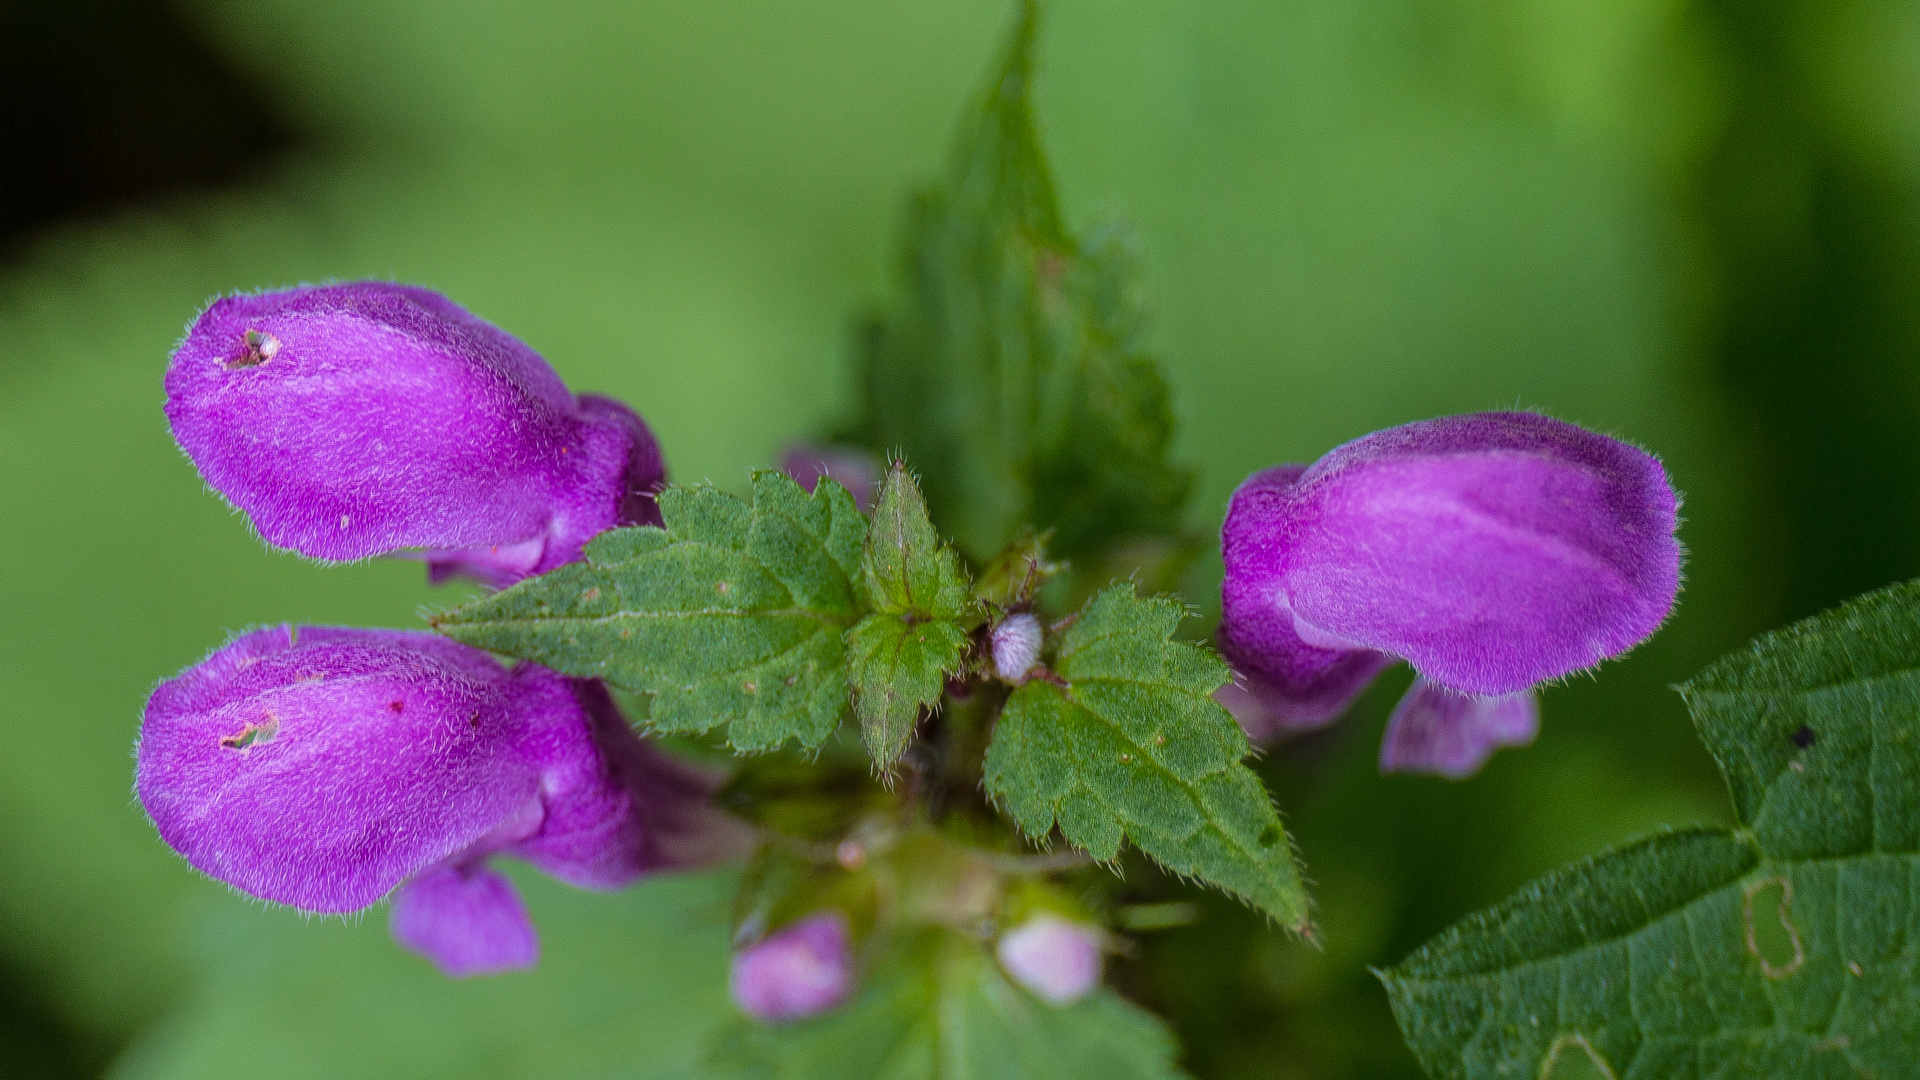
x=1493, y=552
x=855, y=469
x=1016, y=645
x=1057, y=959
x=803, y=969
x=325, y=767
x=366, y=419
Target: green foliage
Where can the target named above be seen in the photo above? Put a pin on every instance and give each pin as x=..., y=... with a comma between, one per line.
x=1784, y=948
x=897, y=668
x=938, y=1007
x=1134, y=746
x=732, y=614
x=900, y=656
x=629, y=984
x=1010, y=369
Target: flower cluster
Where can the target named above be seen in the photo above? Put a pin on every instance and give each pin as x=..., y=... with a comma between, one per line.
x=331, y=768
x=328, y=768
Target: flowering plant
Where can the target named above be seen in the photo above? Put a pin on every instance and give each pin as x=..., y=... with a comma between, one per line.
x=927, y=679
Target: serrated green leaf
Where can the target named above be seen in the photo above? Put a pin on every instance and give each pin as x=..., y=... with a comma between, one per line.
x=898, y=667
x=901, y=655
x=938, y=1008
x=1787, y=948
x=1010, y=369
x=732, y=614
x=907, y=569
x=1134, y=746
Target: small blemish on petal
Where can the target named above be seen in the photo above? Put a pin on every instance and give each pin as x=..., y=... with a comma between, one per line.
x=252, y=734
x=257, y=347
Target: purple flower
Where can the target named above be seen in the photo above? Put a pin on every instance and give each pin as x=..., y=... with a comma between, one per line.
x=324, y=767
x=373, y=419
x=804, y=969
x=1493, y=552
x=1057, y=959
x=854, y=468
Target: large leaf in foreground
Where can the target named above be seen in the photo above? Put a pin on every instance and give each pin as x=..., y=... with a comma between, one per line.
x=733, y=614
x=902, y=654
x=1135, y=747
x=1787, y=948
x=939, y=1009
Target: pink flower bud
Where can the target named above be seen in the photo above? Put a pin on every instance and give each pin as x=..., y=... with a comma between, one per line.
x=1056, y=959
x=804, y=969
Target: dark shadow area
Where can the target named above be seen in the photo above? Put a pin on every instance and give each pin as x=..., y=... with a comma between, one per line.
x=1817, y=329
x=37, y=1043
x=105, y=103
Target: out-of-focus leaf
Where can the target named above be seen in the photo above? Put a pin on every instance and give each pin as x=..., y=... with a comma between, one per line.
x=732, y=614
x=629, y=984
x=1010, y=368
x=938, y=1008
x=1785, y=948
x=1135, y=747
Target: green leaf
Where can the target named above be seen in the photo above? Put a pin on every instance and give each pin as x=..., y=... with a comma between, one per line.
x=907, y=569
x=902, y=654
x=732, y=614
x=1789, y=947
x=1010, y=369
x=1134, y=746
x=899, y=667
x=939, y=1007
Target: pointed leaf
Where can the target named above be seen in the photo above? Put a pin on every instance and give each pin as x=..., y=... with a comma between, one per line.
x=908, y=570
x=898, y=668
x=1010, y=368
x=732, y=614
x=1783, y=949
x=1135, y=746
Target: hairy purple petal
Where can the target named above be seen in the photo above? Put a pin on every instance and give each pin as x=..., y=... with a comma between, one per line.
x=1436, y=730
x=804, y=969
x=467, y=920
x=1492, y=551
x=368, y=419
x=1057, y=959
x=321, y=768
x=856, y=470
x=616, y=807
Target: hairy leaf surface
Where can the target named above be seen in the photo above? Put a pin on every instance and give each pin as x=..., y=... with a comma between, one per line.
x=1787, y=948
x=939, y=1009
x=1135, y=747
x=902, y=653
x=733, y=614
x=1010, y=369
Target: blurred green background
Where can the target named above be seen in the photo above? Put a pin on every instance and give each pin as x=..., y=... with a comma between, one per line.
x=1691, y=223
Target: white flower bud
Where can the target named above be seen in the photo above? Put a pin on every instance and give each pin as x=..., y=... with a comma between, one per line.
x=1016, y=646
